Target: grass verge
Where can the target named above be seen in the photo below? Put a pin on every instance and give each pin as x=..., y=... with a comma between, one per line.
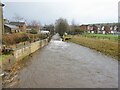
x=103, y=36
x=3, y=57
x=107, y=47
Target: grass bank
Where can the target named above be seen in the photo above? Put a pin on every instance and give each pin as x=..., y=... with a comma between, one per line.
x=103, y=36
x=3, y=57
x=105, y=46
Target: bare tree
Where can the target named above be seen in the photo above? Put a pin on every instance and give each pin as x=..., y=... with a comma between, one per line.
x=18, y=18
x=61, y=26
x=34, y=25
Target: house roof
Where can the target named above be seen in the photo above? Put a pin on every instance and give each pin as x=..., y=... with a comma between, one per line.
x=11, y=26
x=17, y=23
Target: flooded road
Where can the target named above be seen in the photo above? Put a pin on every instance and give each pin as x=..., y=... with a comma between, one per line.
x=68, y=65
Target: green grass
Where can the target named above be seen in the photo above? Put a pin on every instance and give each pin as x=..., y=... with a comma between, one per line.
x=3, y=57
x=103, y=36
x=104, y=46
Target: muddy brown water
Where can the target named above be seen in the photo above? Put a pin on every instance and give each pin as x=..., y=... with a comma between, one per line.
x=67, y=65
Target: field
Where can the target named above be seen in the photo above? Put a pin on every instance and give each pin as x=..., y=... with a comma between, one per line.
x=105, y=46
x=103, y=36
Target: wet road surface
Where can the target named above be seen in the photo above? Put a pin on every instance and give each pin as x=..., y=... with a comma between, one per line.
x=68, y=65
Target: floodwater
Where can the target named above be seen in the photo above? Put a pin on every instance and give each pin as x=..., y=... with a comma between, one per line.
x=67, y=65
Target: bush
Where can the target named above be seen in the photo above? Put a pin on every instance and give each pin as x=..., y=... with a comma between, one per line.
x=33, y=32
x=10, y=39
x=43, y=36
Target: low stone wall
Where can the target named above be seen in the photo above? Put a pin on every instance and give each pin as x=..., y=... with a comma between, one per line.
x=25, y=50
x=21, y=52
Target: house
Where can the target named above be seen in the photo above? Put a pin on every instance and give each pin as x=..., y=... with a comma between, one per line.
x=21, y=25
x=45, y=32
x=110, y=28
x=95, y=29
x=107, y=29
x=6, y=21
x=11, y=28
x=99, y=28
x=84, y=27
x=44, y=28
x=90, y=29
x=49, y=28
x=28, y=30
x=102, y=29
x=114, y=29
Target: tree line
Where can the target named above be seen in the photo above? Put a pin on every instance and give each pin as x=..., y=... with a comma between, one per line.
x=61, y=26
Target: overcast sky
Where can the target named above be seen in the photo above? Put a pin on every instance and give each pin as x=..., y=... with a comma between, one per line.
x=47, y=11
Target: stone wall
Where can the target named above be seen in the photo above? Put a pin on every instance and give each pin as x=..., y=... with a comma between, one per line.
x=35, y=46
x=26, y=50
x=22, y=51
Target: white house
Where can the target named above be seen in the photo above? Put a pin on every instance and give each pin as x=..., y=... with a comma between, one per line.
x=114, y=29
x=45, y=32
x=90, y=29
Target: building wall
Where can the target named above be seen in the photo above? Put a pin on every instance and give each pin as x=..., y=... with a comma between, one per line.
x=83, y=27
x=10, y=30
x=23, y=51
x=7, y=29
x=107, y=29
x=23, y=28
x=95, y=29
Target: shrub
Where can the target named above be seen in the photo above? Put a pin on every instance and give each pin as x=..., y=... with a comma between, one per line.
x=33, y=32
x=16, y=38
x=10, y=39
